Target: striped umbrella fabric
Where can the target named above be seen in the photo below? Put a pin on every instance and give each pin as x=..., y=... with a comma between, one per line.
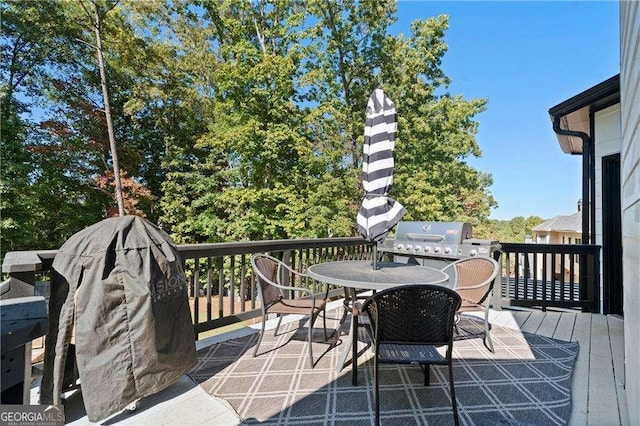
x=378, y=212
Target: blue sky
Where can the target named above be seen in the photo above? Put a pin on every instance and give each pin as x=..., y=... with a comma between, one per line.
x=525, y=57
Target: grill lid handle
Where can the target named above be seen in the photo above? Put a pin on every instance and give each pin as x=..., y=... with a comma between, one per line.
x=425, y=237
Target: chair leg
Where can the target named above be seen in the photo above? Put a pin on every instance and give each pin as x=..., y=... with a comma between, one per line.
x=310, y=343
x=324, y=324
x=312, y=320
x=275, y=333
x=345, y=351
x=454, y=403
x=487, y=333
x=376, y=390
x=255, y=351
x=346, y=309
x=427, y=374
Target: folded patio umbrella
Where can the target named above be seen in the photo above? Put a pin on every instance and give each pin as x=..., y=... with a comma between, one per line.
x=378, y=212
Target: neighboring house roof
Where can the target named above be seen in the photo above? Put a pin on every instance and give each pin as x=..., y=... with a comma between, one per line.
x=571, y=223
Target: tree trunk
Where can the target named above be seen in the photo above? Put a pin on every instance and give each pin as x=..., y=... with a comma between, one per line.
x=107, y=112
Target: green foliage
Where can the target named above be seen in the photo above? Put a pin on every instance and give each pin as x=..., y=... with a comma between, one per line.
x=14, y=176
x=242, y=120
x=512, y=231
x=44, y=201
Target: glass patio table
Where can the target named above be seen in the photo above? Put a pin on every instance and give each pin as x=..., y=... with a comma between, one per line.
x=360, y=275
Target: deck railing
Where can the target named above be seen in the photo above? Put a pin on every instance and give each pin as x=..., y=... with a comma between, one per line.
x=550, y=275
x=222, y=285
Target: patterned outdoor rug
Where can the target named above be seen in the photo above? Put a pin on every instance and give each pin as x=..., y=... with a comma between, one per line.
x=526, y=382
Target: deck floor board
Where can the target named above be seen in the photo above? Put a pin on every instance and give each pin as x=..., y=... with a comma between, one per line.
x=598, y=396
x=602, y=390
x=580, y=388
x=549, y=324
x=616, y=337
x=532, y=324
x=521, y=317
x=566, y=325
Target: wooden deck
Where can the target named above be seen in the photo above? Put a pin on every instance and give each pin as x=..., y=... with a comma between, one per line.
x=598, y=379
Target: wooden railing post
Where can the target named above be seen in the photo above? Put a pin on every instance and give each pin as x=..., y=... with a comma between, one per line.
x=21, y=267
x=496, y=295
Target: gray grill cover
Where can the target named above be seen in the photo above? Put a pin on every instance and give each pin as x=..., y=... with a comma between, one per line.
x=123, y=287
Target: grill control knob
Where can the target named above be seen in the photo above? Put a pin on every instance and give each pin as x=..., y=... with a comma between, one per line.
x=408, y=246
x=418, y=248
x=398, y=247
x=427, y=248
x=447, y=250
x=472, y=252
x=436, y=249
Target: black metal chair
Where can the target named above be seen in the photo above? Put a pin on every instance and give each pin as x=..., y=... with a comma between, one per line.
x=408, y=324
x=270, y=273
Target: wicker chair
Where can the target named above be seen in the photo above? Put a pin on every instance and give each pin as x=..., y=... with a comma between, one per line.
x=473, y=279
x=271, y=294
x=408, y=324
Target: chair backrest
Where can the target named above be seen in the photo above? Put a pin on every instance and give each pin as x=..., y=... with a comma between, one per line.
x=266, y=269
x=416, y=313
x=474, y=277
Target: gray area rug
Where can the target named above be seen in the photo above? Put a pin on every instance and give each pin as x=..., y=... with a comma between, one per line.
x=526, y=382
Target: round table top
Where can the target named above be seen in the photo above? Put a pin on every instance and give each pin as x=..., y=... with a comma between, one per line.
x=360, y=274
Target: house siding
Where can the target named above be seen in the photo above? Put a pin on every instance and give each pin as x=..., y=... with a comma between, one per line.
x=630, y=197
x=607, y=140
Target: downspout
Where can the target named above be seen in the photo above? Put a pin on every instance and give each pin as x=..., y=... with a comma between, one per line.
x=586, y=193
x=592, y=172
x=587, y=203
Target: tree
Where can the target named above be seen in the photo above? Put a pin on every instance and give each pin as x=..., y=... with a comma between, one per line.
x=514, y=230
x=96, y=18
x=237, y=177
x=14, y=177
x=355, y=54
x=284, y=100
x=92, y=109
x=436, y=132
x=60, y=153
x=239, y=120
x=345, y=60
x=33, y=177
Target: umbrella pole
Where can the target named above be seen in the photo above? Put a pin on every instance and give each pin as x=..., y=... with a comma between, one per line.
x=375, y=256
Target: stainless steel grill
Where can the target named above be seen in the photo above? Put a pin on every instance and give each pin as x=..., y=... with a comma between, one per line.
x=436, y=243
